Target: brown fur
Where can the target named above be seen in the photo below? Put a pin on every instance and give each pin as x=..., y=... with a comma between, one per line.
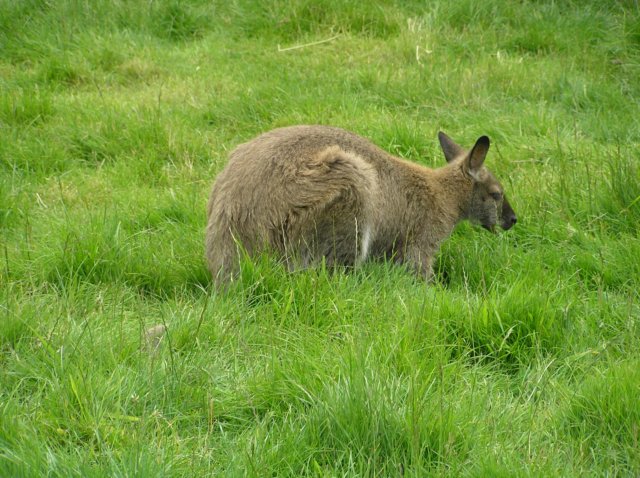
x=312, y=192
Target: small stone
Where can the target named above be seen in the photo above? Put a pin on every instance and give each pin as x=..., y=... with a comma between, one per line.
x=153, y=337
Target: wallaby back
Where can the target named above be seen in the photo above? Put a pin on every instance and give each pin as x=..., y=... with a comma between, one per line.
x=311, y=192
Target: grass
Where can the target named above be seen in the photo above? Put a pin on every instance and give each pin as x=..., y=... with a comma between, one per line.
x=520, y=360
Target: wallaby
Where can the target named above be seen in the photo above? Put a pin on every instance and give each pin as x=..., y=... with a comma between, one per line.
x=308, y=193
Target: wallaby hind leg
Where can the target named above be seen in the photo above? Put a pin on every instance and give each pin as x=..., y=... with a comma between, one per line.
x=338, y=224
x=339, y=234
x=332, y=235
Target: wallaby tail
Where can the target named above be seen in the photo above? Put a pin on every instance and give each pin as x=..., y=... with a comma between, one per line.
x=223, y=254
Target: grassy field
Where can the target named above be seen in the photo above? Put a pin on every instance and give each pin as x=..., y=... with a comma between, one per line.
x=521, y=360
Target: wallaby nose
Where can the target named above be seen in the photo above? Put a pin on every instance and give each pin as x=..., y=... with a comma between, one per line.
x=509, y=222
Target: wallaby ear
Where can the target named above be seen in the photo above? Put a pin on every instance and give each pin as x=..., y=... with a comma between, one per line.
x=449, y=147
x=478, y=153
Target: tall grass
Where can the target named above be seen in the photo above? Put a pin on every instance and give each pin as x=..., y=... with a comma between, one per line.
x=520, y=359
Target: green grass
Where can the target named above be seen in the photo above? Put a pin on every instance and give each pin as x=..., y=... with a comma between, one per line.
x=520, y=360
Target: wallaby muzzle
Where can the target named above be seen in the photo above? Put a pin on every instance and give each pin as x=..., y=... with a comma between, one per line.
x=509, y=217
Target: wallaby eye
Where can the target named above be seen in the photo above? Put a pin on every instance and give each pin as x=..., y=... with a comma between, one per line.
x=496, y=195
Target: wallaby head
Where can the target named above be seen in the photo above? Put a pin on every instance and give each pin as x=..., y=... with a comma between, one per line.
x=488, y=204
